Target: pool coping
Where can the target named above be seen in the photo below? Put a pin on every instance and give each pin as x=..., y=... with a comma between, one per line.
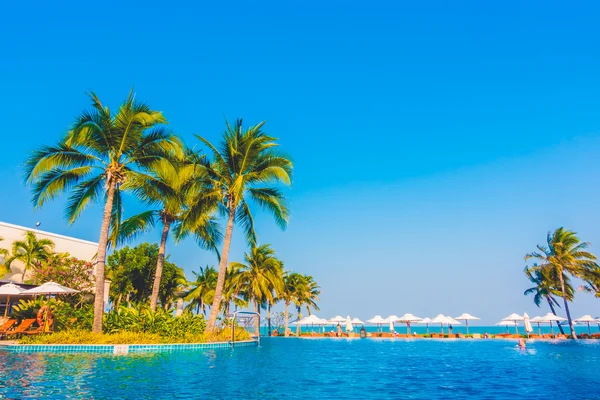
x=120, y=349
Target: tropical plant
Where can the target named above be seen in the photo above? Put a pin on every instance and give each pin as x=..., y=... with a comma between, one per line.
x=261, y=277
x=306, y=295
x=4, y=254
x=65, y=314
x=178, y=184
x=132, y=270
x=202, y=290
x=31, y=252
x=291, y=283
x=564, y=256
x=101, y=155
x=68, y=271
x=244, y=168
x=547, y=288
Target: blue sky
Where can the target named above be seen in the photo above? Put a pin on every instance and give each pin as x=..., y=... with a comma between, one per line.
x=434, y=143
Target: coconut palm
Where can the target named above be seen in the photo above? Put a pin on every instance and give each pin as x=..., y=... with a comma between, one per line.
x=291, y=283
x=31, y=252
x=244, y=168
x=547, y=288
x=306, y=295
x=564, y=256
x=202, y=290
x=4, y=253
x=101, y=155
x=261, y=277
x=177, y=185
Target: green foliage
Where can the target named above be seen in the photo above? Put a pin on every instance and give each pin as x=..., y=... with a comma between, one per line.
x=66, y=316
x=68, y=271
x=31, y=252
x=132, y=270
x=142, y=319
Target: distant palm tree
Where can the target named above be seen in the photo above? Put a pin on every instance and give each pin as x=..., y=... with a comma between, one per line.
x=291, y=284
x=177, y=185
x=546, y=288
x=4, y=253
x=202, y=290
x=240, y=169
x=102, y=154
x=306, y=295
x=31, y=252
x=564, y=255
x=261, y=277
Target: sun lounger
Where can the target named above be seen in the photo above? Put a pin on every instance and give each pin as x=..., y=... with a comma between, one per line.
x=6, y=326
x=22, y=328
x=477, y=336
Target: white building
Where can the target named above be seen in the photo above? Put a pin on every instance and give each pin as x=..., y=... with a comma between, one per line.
x=81, y=249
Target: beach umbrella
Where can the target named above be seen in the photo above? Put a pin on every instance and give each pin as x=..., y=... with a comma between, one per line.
x=507, y=324
x=51, y=288
x=527, y=323
x=537, y=320
x=407, y=319
x=552, y=318
x=390, y=320
x=426, y=321
x=10, y=289
x=442, y=319
x=377, y=320
x=337, y=320
x=357, y=321
x=514, y=317
x=349, y=326
x=466, y=317
x=586, y=318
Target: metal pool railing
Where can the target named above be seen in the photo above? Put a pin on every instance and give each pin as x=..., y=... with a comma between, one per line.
x=247, y=315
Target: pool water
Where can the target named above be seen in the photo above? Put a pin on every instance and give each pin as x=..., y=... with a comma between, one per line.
x=318, y=368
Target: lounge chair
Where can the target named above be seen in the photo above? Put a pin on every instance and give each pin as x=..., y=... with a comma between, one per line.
x=476, y=336
x=6, y=326
x=22, y=328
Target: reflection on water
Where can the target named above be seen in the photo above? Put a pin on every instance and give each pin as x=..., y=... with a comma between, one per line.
x=327, y=368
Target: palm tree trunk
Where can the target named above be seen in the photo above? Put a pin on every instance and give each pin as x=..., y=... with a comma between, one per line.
x=564, y=296
x=118, y=301
x=257, y=323
x=287, y=306
x=298, y=326
x=269, y=317
x=214, y=311
x=101, y=258
x=160, y=263
x=554, y=312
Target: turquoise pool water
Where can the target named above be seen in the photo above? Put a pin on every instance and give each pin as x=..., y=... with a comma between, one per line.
x=317, y=368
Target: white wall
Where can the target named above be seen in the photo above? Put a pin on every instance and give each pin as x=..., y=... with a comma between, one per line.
x=78, y=248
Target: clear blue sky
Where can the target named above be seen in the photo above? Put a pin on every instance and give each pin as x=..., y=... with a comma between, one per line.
x=434, y=143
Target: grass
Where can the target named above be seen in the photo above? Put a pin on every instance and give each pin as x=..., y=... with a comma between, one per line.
x=87, y=337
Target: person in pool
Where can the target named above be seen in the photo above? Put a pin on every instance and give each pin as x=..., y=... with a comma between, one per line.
x=522, y=344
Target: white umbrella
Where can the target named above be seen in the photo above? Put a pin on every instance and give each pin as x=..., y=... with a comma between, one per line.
x=391, y=319
x=51, y=288
x=357, y=321
x=586, y=318
x=426, y=321
x=527, y=323
x=514, y=317
x=337, y=319
x=441, y=319
x=507, y=324
x=537, y=320
x=552, y=318
x=466, y=317
x=407, y=319
x=10, y=289
x=377, y=320
x=349, y=326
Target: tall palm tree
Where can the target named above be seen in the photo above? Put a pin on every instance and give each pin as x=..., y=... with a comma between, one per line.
x=564, y=255
x=31, y=252
x=101, y=155
x=547, y=288
x=245, y=168
x=177, y=185
x=261, y=276
x=202, y=290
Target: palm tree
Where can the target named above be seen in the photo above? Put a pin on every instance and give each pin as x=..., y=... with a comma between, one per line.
x=31, y=252
x=100, y=156
x=306, y=294
x=202, y=290
x=261, y=277
x=291, y=283
x=244, y=167
x=564, y=255
x=4, y=253
x=546, y=288
x=177, y=184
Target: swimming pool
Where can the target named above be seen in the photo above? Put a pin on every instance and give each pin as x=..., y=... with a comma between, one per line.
x=311, y=368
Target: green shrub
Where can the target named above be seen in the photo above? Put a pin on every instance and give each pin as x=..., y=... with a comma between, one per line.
x=65, y=315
